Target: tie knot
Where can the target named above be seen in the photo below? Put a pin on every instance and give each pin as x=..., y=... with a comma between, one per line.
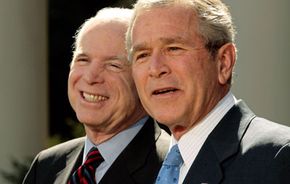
x=86, y=172
x=94, y=157
x=173, y=157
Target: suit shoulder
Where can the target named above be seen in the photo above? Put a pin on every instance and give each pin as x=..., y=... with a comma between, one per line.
x=262, y=134
x=61, y=149
x=269, y=131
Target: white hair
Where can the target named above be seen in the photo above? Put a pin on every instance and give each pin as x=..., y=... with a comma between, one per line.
x=121, y=15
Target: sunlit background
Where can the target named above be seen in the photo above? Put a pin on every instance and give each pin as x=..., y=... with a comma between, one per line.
x=35, y=52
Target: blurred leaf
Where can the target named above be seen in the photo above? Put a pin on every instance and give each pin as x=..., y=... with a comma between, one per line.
x=19, y=171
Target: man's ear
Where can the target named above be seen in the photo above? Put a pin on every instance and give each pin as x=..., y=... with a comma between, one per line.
x=226, y=58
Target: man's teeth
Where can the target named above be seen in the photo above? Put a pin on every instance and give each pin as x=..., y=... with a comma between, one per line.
x=94, y=98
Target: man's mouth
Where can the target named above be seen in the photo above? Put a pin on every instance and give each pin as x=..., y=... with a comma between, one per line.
x=164, y=91
x=93, y=98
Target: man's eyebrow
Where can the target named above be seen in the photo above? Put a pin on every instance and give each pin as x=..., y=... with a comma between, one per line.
x=139, y=47
x=116, y=57
x=121, y=58
x=113, y=57
x=171, y=40
x=164, y=40
x=79, y=54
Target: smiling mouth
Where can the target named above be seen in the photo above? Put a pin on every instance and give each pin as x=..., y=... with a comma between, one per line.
x=164, y=91
x=94, y=98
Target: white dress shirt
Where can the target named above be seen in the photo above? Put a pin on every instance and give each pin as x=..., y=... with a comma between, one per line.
x=191, y=142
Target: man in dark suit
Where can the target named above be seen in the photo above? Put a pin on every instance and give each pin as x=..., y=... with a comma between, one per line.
x=103, y=95
x=183, y=55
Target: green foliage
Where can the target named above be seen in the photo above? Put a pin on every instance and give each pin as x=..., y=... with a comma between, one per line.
x=19, y=170
x=77, y=129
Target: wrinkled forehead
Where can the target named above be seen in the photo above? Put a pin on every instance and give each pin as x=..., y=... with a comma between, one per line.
x=173, y=21
x=172, y=14
x=110, y=29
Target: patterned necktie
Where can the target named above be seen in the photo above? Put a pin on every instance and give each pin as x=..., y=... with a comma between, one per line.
x=85, y=174
x=169, y=172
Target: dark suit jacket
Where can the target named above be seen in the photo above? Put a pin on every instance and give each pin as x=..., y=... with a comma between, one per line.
x=138, y=163
x=243, y=149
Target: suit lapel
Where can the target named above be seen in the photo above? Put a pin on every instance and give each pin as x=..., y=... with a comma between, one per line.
x=73, y=161
x=133, y=157
x=221, y=144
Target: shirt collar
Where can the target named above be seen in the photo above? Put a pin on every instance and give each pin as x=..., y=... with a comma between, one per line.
x=191, y=142
x=111, y=148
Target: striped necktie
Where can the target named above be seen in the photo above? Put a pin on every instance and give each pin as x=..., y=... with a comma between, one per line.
x=85, y=174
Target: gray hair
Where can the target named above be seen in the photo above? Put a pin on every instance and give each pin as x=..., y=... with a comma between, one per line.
x=121, y=15
x=214, y=20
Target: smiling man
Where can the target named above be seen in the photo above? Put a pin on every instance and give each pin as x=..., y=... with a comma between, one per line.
x=183, y=55
x=127, y=145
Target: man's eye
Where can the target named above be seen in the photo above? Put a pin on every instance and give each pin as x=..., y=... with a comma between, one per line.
x=82, y=60
x=173, y=48
x=141, y=56
x=114, y=66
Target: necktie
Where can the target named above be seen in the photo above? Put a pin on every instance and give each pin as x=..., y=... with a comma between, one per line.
x=85, y=174
x=169, y=171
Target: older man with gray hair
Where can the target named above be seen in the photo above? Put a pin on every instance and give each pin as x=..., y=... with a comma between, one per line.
x=183, y=55
x=122, y=144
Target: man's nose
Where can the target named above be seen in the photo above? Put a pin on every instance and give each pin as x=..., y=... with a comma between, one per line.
x=158, y=65
x=94, y=74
